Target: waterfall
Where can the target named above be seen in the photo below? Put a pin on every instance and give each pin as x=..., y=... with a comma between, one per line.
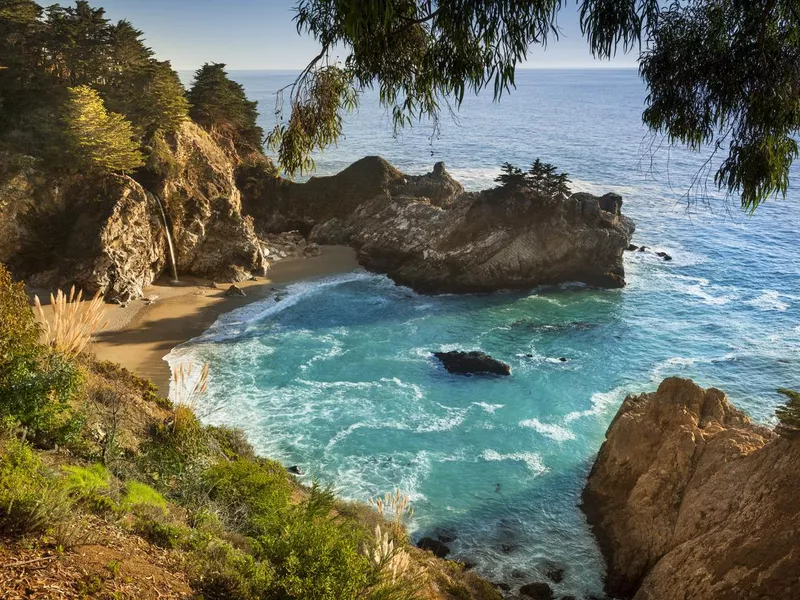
x=169, y=236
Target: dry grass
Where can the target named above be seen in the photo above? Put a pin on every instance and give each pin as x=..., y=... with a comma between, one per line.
x=396, y=505
x=74, y=322
x=186, y=389
x=393, y=562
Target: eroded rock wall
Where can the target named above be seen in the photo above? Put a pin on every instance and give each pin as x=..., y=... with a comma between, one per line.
x=689, y=499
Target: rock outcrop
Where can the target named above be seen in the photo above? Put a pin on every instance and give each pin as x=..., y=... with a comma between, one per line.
x=472, y=363
x=427, y=233
x=689, y=499
x=107, y=234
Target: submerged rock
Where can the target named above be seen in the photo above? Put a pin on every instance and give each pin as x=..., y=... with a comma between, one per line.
x=664, y=255
x=689, y=499
x=435, y=546
x=428, y=233
x=555, y=573
x=472, y=363
x=537, y=590
x=295, y=470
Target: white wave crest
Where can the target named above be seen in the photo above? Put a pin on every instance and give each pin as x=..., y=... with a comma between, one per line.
x=551, y=430
x=769, y=300
x=532, y=460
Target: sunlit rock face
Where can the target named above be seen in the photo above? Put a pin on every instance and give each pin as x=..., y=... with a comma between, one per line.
x=689, y=499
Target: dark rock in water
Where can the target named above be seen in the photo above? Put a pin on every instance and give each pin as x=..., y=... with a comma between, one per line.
x=555, y=573
x=439, y=549
x=507, y=548
x=518, y=574
x=469, y=363
x=664, y=255
x=563, y=359
x=234, y=290
x=568, y=598
x=468, y=564
x=538, y=591
x=446, y=536
x=642, y=248
x=295, y=470
x=500, y=585
x=632, y=248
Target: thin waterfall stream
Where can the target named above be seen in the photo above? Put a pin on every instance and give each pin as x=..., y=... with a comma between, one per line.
x=169, y=236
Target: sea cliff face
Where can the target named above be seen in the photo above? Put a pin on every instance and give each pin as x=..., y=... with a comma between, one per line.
x=689, y=499
x=427, y=233
x=107, y=234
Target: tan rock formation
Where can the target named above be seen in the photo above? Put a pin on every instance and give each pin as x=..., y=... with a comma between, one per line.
x=689, y=499
x=107, y=234
x=427, y=233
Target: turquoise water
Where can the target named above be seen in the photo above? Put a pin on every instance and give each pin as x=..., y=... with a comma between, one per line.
x=338, y=378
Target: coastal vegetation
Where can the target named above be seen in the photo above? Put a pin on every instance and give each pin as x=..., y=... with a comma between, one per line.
x=542, y=179
x=82, y=92
x=721, y=75
x=81, y=439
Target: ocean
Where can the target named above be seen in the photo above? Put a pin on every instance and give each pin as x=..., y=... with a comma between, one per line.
x=338, y=377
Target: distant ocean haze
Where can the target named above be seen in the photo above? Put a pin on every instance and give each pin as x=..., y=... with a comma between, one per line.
x=338, y=376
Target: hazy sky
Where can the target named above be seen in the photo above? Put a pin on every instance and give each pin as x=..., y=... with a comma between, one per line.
x=260, y=34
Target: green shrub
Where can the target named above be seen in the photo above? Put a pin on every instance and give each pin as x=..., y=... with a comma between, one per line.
x=316, y=557
x=789, y=414
x=31, y=502
x=37, y=385
x=251, y=497
x=140, y=495
x=161, y=533
x=89, y=486
x=84, y=481
x=220, y=572
x=231, y=442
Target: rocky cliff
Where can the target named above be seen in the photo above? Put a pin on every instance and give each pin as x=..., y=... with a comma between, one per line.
x=689, y=499
x=427, y=233
x=107, y=233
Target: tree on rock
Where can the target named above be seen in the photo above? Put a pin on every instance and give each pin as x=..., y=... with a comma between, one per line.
x=510, y=176
x=220, y=105
x=544, y=179
x=102, y=140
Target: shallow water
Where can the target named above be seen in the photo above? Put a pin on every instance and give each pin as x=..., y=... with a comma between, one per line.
x=338, y=377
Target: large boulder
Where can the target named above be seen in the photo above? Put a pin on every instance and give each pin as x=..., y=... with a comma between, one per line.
x=425, y=232
x=689, y=499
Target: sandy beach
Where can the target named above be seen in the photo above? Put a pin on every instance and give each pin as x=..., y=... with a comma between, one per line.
x=139, y=335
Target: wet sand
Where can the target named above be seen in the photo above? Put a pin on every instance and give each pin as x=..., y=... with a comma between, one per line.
x=139, y=335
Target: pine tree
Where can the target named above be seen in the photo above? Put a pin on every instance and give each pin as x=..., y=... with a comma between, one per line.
x=220, y=105
x=510, y=176
x=101, y=139
x=544, y=180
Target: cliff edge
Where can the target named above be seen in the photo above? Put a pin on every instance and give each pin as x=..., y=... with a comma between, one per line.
x=689, y=499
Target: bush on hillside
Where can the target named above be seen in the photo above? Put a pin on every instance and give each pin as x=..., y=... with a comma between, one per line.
x=37, y=385
x=789, y=414
x=31, y=502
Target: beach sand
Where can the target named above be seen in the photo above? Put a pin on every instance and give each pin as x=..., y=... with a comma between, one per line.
x=139, y=335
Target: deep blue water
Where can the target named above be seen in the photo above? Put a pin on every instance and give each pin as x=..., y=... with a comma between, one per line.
x=338, y=376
